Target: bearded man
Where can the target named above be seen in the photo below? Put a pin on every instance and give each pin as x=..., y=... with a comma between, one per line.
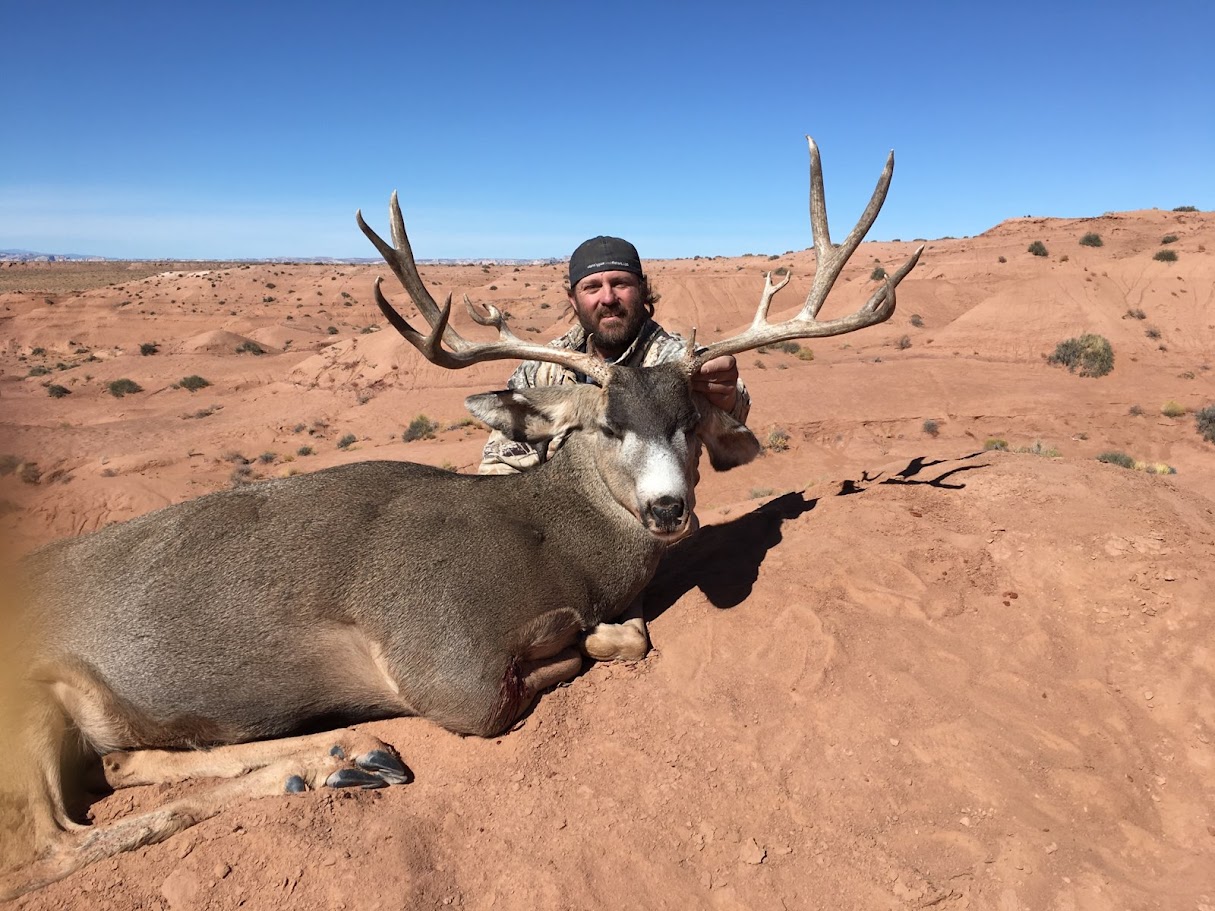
x=614, y=304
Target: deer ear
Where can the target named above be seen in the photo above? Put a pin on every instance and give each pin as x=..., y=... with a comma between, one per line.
x=729, y=442
x=533, y=415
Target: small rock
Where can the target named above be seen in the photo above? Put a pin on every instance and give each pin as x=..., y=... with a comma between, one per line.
x=1052, y=848
x=894, y=741
x=1148, y=695
x=221, y=870
x=751, y=852
x=965, y=820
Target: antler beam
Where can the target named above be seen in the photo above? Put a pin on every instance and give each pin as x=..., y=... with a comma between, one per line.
x=829, y=261
x=459, y=352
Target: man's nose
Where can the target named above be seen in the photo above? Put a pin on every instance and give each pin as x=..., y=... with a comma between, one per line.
x=606, y=295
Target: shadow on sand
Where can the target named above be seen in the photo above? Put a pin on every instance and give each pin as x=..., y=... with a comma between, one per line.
x=723, y=561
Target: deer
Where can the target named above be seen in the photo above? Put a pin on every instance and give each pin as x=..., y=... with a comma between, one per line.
x=200, y=640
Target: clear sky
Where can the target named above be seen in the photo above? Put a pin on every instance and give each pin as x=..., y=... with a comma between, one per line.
x=255, y=129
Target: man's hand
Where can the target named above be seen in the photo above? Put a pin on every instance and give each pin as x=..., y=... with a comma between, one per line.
x=718, y=381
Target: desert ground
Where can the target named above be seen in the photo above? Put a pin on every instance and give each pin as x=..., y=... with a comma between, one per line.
x=926, y=651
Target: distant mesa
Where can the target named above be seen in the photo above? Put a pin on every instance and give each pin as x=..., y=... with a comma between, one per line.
x=30, y=256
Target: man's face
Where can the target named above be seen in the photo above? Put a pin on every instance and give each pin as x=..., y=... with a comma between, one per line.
x=610, y=307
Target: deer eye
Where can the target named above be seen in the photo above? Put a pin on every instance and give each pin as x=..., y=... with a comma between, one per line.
x=610, y=432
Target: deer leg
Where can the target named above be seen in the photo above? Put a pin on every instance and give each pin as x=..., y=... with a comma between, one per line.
x=366, y=753
x=301, y=763
x=626, y=640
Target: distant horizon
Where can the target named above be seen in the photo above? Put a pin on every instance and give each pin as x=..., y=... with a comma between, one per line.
x=164, y=132
x=6, y=253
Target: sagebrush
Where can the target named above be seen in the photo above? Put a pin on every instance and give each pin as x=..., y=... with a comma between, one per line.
x=1089, y=354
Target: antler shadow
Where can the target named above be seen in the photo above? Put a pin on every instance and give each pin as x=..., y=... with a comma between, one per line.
x=723, y=561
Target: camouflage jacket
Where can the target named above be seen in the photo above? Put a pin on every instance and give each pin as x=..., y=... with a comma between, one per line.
x=653, y=345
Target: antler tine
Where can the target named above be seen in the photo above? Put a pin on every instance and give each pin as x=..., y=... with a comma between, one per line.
x=459, y=351
x=829, y=263
x=399, y=256
x=829, y=259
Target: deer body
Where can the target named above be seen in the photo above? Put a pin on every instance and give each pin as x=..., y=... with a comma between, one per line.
x=324, y=595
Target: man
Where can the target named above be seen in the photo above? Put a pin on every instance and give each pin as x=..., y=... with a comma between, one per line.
x=615, y=306
x=613, y=302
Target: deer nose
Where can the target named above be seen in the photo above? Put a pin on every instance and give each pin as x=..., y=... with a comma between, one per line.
x=667, y=510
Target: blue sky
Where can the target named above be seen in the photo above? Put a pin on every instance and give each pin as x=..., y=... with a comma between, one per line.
x=517, y=130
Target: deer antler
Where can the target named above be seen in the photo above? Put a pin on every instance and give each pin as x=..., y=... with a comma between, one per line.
x=459, y=351
x=829, y=260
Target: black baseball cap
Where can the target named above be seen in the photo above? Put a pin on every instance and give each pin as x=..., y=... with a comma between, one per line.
x=603, y=254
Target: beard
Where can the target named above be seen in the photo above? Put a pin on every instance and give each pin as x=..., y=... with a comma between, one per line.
x=620, y=332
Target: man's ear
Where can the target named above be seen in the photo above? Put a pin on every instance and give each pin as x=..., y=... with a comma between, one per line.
x=730, y=443
x=534, y=415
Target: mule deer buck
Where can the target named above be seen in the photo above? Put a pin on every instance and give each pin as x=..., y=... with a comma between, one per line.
x=196, y=640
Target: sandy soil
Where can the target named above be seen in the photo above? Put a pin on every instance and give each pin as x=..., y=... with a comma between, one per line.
x=895, y=669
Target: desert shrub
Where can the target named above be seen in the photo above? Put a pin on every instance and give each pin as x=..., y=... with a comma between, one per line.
x=241, y=474
x=1002, y=259
x=56, y=391
x=931, y=427
x=248, y=346
x=304, y=451
x=1091, y=239
x=1171, y=409
x=148, y=348
x=420, y=428
x=347, y=441
x=777, y=440
x=1037, y=248
x=1152, y=332
x=917, y=321
x=1135, y=410
x=39, y=370
x=267, y=457
x=1204, y=421
x=1166, y=256
x=788, y=347
x=119, y=388
x=1169, y=239
x=1041, y=449
x=193, y=382
x=877, y=274
x=757, y=492
x=332, y=330
x=805, y=355
x=996, y=443
x=1134, y=313
x=1156, y=467
x=1090, y=353
x=904, y=342
x=1185, y=209
x=1117, y=457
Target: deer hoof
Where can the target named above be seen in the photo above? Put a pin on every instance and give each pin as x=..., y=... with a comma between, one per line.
x=386, y=766
x=295, y=785
x=355, y=778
